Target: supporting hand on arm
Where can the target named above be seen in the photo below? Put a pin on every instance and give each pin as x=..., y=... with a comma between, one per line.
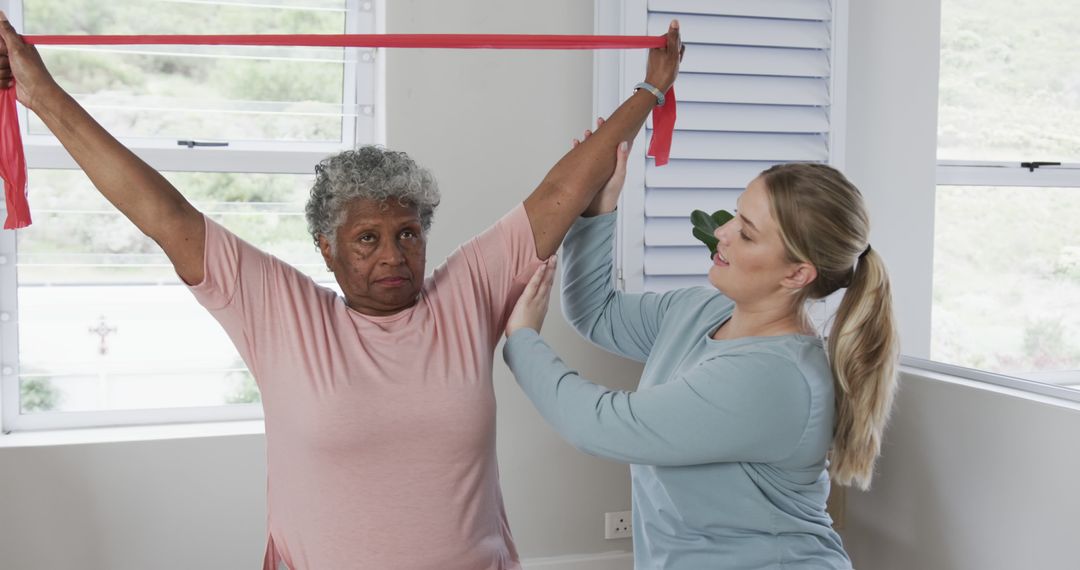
x=572, y=184
x=136, y=189
x=532, y=305
x=607, y=198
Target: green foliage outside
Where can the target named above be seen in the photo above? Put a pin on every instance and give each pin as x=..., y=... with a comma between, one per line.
x=1006, y=292
x=242, y=388
x=142, y=91
x=37, y=394
x=1010, y=84
x=78, y=237
x=1007, y=278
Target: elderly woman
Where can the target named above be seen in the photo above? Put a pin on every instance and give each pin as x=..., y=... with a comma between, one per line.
x=380, y=418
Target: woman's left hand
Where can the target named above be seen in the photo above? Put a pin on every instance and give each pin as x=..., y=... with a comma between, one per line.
x=532, y=306
x=21, y=63
x=608, y=198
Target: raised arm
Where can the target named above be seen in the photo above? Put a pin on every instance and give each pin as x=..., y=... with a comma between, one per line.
x=623, y=323
x=573, y=182
x=137, y=190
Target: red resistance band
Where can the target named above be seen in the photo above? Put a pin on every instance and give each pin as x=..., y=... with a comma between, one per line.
x=13, y=162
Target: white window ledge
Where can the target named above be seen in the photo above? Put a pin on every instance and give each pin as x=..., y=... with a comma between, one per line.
x=131, y=434
x=988, y=382
x=1031, y=391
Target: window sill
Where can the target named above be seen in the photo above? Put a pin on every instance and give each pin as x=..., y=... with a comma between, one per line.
x=1049, y=394
x=130, y=434
x=83, y=436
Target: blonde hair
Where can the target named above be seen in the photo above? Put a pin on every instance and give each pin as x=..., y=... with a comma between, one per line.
x=823, y=221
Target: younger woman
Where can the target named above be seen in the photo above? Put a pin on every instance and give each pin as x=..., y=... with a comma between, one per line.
x=743, y=413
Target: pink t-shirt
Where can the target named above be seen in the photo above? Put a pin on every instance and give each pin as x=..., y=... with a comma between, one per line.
x=380, y=431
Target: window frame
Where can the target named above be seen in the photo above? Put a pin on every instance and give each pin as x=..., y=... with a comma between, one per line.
x=45, y=152
x=960, y=172
x=1001, y=173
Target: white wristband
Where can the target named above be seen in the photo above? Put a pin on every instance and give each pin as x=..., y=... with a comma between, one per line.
x=652, y=89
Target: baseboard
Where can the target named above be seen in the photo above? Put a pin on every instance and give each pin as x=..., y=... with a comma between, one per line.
x=617, y=560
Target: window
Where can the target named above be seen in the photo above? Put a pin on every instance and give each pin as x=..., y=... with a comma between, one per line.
x=95, y=327
x=1006, y=287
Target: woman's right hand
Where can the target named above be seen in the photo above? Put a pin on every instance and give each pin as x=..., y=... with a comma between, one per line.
x=663, y=66
x=21, y=63
x=607, y=198
x=532, y=305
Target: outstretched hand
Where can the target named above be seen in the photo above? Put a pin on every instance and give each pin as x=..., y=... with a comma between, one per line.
x=21, y=65
x=608, y=198
x=663, y=65
x=532, y=305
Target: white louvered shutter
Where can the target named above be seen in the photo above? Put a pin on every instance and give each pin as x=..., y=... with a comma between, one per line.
x=754, y=90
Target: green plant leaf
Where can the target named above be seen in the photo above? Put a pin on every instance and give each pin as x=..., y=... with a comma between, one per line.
x=722, y=217
x=704, y=226
x=703, y=221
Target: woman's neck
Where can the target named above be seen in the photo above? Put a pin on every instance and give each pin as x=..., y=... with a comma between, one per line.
x=763, y=321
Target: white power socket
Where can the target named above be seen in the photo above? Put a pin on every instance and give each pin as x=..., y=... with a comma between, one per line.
x=617, y=525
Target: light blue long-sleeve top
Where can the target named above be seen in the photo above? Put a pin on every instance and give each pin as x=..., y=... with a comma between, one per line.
x=726, y=439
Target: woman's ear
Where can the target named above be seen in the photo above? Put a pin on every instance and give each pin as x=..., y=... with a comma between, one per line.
x=800, y=275
x=327, y=252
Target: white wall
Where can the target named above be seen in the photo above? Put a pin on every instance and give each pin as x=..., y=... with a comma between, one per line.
x=969, y=478
x=195, y=503
x=892, y=145
x=489, y=124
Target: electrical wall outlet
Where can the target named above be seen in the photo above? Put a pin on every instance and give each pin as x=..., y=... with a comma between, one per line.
x=617, y=525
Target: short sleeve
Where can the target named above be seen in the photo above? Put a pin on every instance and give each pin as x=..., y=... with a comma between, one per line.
x=492, y=269
x=221, y=266
x=245, y=289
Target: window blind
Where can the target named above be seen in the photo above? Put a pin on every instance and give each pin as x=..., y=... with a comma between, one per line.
x=754, y=90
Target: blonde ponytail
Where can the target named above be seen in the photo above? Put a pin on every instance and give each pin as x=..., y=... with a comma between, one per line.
x=823, y=221
x=863, y=351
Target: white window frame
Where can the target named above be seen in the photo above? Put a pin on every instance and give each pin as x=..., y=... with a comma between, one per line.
x=1004, y=174
x=44, y=152
x=1000, y=173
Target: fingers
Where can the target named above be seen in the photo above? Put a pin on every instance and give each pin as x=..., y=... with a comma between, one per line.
x=621, y=154
x=6, y=76
x=673, y=41
x=8, y=33
x=588, y=133
x=9, y=40
x=549, y=277
x=618, y=177
x=534, y=282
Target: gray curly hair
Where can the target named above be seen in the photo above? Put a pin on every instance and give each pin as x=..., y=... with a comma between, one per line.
x=372, y=173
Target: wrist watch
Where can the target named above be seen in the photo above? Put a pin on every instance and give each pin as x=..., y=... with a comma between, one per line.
x=652, y=89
